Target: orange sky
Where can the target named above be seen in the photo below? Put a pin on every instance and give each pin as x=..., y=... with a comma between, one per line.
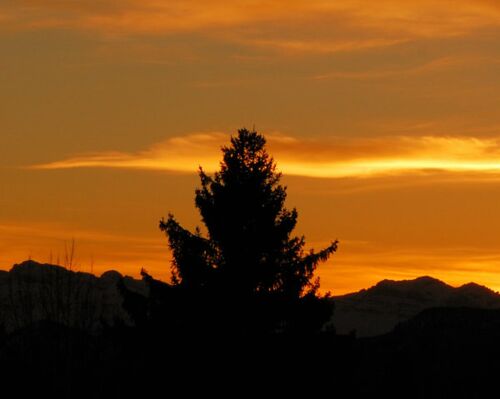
x=383, y=117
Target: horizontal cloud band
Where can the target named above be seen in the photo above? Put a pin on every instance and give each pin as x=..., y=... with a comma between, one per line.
x=346, y=25
x=332, y=158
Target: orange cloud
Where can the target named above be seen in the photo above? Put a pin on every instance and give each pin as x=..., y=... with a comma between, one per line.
x=323, y=46
x=180, y=154
x=333, y=158
x=292, y=26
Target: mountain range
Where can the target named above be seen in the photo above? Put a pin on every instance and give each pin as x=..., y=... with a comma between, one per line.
x=379, y=309
x=32, y=292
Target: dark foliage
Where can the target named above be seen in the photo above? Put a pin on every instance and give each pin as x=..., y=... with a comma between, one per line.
x=249, y=269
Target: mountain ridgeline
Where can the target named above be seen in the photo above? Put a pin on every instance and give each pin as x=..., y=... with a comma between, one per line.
x=32, y=292
x=377, y=310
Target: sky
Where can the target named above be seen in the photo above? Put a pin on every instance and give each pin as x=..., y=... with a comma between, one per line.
x=383, y=117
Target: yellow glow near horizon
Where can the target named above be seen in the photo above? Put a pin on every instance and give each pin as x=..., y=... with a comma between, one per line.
x=369, y=264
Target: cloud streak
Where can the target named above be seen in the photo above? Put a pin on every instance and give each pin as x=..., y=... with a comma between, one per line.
x=323, y=46
x=302, y=26
x=442, y=64
x=330, y=158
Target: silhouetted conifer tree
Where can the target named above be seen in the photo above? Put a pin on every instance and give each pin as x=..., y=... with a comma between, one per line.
x=250, y=255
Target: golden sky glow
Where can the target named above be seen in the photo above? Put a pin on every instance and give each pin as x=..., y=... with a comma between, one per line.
x=383, y=117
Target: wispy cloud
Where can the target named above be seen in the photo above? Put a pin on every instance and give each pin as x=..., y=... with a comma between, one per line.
x=180, y=154
x=441, y=64
x=298, y=26
x=327, y=158
x=323, y=46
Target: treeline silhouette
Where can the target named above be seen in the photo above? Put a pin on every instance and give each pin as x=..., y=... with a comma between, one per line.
x=241, y=316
